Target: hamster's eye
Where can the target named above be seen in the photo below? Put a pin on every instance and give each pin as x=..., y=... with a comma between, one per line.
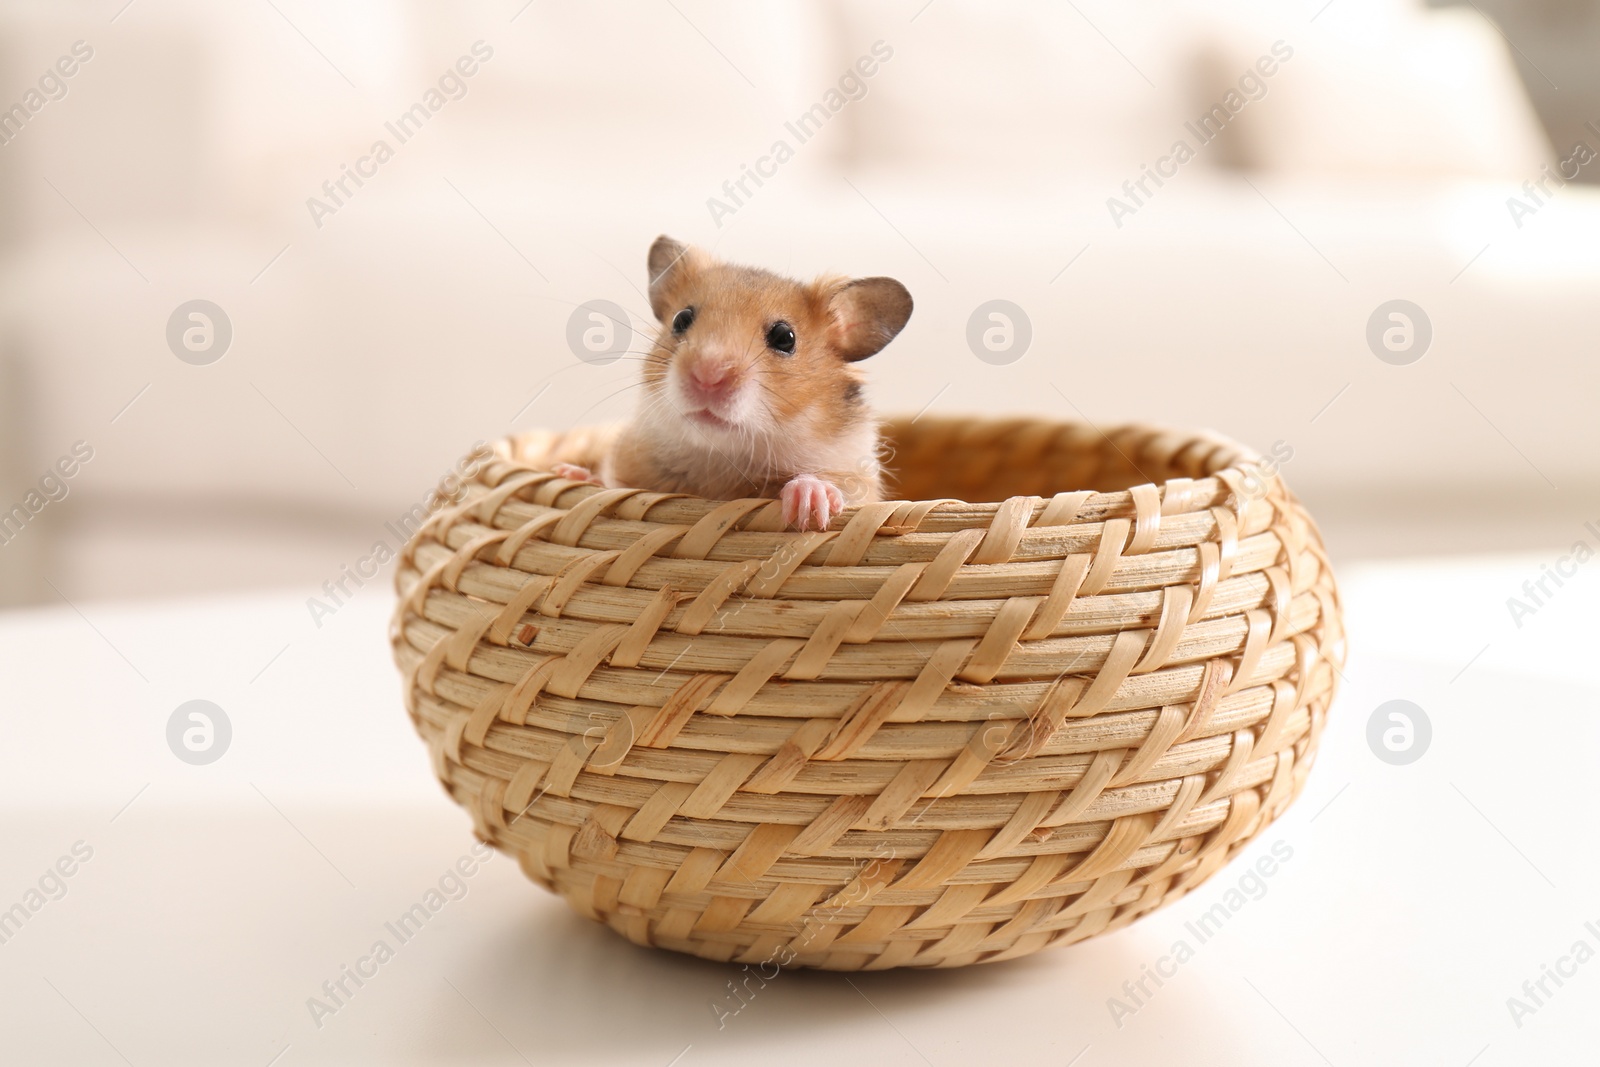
x=780, y=338
x=683, y=320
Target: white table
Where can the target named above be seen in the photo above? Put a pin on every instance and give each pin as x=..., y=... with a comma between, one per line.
x=219, y=898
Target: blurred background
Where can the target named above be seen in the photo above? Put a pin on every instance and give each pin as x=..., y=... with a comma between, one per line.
x=396, y=246
x=269, y=268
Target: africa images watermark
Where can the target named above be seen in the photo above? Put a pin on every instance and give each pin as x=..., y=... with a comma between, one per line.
x=1537, y=591
x=866, y=874
x=1006, y=738
x=1252, y=86
x=51, y=886
x=1259, y=476
x=338, y=591
x=1536, y=992
x=338, y=991
x=1566, y=170
x=851, y=86
x=52, y=86
x=1252, y=885
x=452, y=85
x=52, y=487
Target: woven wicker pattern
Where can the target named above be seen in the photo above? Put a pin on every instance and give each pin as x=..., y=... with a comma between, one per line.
x=939, y=733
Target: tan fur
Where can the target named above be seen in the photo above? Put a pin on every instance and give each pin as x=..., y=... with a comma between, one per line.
x=786, y=417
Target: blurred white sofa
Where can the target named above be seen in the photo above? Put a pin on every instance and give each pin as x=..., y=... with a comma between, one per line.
x=373, y=345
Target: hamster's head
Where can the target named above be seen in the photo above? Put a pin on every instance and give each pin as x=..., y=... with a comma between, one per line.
x=746, y=352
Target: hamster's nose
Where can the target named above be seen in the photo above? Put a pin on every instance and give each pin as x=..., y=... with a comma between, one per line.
x=711, y=380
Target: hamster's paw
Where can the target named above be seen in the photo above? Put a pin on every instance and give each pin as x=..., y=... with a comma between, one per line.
x=576, y=473
x=809, y=503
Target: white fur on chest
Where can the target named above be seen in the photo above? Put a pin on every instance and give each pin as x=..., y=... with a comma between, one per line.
x=722, y=460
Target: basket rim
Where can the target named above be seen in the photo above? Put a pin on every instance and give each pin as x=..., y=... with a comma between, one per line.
x=1229, y=462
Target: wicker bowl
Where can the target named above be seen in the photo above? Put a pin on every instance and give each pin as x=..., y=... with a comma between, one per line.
x=939, y=733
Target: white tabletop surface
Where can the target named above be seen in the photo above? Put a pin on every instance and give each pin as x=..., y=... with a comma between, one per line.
x=218, y=899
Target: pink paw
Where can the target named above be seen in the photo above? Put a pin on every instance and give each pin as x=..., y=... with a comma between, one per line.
x=575, y=473
x=809, y=503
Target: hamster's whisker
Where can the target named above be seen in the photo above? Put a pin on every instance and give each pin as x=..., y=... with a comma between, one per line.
x=610, y=396
x=774, y=394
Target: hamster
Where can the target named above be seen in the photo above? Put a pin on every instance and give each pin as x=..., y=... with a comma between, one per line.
x=751, y=388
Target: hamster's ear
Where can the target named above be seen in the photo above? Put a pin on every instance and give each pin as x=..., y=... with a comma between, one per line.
x=867, y=314
x=670, y=264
